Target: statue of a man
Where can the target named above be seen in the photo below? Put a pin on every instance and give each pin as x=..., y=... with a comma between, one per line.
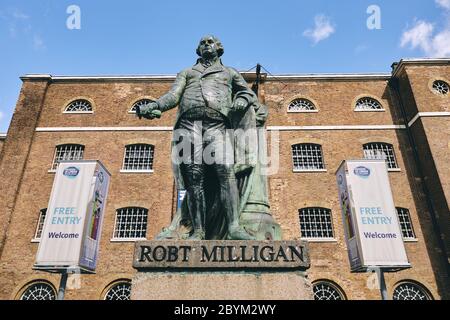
x=211, y=99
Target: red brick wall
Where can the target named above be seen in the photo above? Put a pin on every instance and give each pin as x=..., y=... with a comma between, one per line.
x=30, y=182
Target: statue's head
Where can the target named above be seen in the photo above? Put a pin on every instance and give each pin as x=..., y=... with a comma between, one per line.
x=210, y=46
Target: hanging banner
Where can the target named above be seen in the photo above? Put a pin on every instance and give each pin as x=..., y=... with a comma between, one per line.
x=72, y=227
x=371, y=225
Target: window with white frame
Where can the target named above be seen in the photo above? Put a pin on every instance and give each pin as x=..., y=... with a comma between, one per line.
x=131, y=223
x=138, y=157
x=324, y=290
x=40, y=224
x=307, y=157
x=140, y=103
x=119, y=291
x=368, y=104
x=79, y=106
x=381, y=151
x=410, y=291
x=39, y=291
x=301, y=105
x=67, y=152
x=441, y=87
x=404, y=218
x=316, y=223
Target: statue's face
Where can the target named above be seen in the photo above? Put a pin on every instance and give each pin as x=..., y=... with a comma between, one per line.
x=208, y=47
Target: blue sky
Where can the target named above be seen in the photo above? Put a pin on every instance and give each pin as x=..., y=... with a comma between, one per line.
x=160, y=37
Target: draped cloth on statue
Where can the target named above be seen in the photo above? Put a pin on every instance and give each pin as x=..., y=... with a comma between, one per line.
x=249, y=144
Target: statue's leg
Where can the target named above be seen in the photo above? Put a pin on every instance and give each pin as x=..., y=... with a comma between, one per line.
x=193, y=175
x=229, y=197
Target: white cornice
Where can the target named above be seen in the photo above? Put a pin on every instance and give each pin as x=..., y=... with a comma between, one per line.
x=247, y=75
x=47, y=77
x=427, y=114
x=270, y=128
x=338, y=127
x=2, y=135
x=331, y=76
x=98, y=78
x=80, y=129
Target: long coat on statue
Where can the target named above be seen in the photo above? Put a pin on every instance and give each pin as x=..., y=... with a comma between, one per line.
x=217, y=87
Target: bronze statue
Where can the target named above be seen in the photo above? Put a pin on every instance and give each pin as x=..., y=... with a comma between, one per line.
x=226, y=196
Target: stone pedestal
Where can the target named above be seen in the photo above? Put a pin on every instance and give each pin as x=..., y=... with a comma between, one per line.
x=221, y=270
x=229, y=285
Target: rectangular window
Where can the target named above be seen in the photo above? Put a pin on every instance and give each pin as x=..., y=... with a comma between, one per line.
x=381, y=151
x=316, y=223
x=138, y=157
x=40, y=224
x=131, y=223
x=307, y=156
x=404, y=218
x=67, y=152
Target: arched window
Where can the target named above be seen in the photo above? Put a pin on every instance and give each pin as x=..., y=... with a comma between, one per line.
x=79, y=106
x=307, y=157
x=40, y=224
x=410, y=291
x=39, y=290
x=441, y=87
x=67, y=152
x=316, y=223
x=381, y=151
x=138, y=157
x=140, y=103
x=301, y=105
x=368, y=104
x=326, y=290
x=404, y=218
x=131, y=223
x=119, y=291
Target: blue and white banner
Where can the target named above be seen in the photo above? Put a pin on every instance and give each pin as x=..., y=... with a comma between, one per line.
x=371, y=225
x=72, y=228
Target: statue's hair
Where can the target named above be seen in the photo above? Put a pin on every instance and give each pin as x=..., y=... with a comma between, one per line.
x=220, y=49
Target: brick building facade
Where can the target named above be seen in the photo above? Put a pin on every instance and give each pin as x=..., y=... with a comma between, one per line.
x=406, y=113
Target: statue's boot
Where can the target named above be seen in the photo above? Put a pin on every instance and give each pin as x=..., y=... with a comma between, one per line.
x=239, y=233
x=197, y=235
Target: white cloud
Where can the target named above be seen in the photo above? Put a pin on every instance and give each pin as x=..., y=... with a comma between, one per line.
x=17, y=22
x=422, y=36
x=418, y=36
x=361, y=48
x=322, y=30
x=444, y=4
x=17, y=14
x=441, y=44
x=38, y=42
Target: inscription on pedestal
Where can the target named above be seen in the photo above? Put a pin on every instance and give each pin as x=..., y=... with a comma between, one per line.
x=221, y=254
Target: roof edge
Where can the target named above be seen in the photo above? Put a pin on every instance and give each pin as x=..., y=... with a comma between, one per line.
x=247, y=75
x=417, y=61
x=250, y=75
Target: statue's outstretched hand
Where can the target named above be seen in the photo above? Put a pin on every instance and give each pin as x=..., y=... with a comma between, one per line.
x=148, y=111
x=240, y=104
